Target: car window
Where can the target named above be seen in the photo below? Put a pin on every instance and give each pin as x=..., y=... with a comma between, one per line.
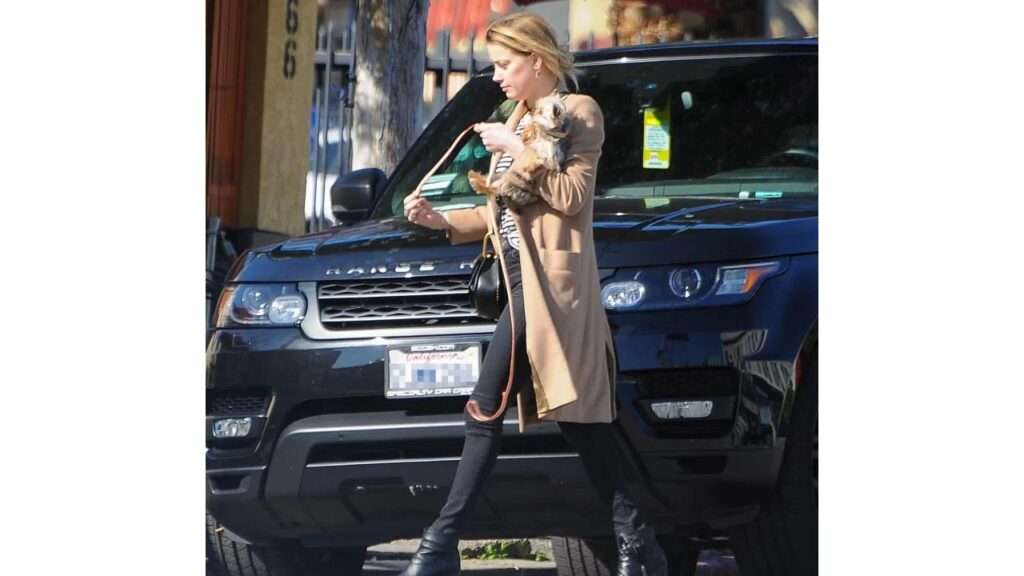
x=739, y=127
x=480, y=100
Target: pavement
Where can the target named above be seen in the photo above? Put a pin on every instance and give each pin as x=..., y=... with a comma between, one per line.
x=391, y=558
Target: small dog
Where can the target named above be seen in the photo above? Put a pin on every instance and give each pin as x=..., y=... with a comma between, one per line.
x=544, y=132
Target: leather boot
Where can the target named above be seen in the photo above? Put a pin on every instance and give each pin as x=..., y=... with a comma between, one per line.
x=640, y=554
x=437, y=555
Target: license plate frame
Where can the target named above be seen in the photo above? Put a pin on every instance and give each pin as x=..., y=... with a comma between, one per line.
x=431, y=370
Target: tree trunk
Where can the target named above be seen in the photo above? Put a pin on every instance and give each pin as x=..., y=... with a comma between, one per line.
x=390, y=53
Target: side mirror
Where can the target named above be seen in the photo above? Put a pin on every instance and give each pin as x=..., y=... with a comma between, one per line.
x=354, y=194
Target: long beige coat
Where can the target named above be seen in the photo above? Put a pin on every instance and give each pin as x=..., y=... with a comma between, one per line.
x=567, y=335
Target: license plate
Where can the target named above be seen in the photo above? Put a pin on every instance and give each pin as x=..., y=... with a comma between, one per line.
x=427, y=370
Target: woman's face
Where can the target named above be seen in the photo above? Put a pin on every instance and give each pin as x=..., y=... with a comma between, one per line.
x=513, y=71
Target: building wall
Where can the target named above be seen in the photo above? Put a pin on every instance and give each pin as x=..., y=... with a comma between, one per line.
x=225, y=95
x=589, y=18
x=279, y=73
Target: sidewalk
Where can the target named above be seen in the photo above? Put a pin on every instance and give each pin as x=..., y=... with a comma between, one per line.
x=391, y=558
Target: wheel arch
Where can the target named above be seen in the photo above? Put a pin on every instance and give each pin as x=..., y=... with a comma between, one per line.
x=808, y=350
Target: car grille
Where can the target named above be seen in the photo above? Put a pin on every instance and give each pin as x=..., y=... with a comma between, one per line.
x=235, y=403
x=397, y=302
x=680, y=383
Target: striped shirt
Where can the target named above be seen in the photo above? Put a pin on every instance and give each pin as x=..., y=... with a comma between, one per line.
x=509, y=232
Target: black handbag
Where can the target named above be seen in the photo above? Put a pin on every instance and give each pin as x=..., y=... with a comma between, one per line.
x=487, y=283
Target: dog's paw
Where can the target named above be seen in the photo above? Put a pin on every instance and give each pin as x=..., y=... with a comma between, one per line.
x=478, y=182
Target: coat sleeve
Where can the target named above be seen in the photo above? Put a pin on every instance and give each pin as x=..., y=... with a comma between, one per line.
x=566, y=190
x=467, y=224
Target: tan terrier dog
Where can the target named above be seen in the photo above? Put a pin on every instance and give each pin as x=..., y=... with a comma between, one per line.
x=544, y=132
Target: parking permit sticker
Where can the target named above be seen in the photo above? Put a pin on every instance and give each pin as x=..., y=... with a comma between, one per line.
x=657, y=139
x=656, y=202
x=767, y=194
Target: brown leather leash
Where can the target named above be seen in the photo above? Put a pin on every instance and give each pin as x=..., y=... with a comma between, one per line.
x=471, y=406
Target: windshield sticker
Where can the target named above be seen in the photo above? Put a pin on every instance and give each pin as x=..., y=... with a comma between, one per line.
x=657, y=139
x=760, y=194
x=437, y=184
x=655, y=202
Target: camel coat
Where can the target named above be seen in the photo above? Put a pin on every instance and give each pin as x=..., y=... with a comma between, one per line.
x=567, y=334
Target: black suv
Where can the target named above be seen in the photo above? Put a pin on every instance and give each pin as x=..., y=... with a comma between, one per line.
x=329, y=429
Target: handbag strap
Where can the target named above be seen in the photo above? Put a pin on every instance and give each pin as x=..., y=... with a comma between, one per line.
x=488, y=236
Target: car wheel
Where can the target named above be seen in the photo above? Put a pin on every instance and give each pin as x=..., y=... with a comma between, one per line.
x=783, y=539
x=599, y=556
x=233, y=558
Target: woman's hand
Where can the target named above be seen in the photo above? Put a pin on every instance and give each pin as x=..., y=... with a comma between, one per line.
x=419, y=211
x=498, y=138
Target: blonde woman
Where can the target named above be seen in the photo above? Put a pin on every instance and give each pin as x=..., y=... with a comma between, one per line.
x=563, y=365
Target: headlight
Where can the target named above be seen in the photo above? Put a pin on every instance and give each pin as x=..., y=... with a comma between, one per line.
x=255, y=300
x=685, y=283
x=260, y=305
x=666, y=288
x=287, y=309
x=622, y=295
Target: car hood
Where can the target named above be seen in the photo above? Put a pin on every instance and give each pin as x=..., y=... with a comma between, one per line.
x=658, y=231
x=627, y=232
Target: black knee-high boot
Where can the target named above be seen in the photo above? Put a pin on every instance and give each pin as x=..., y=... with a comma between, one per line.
x=603, y=457
x=640, y=554
x=437, y=555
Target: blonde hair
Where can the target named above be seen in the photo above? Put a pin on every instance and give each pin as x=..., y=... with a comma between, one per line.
x=527, y=33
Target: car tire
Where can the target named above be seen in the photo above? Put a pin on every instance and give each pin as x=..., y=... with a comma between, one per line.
x=231, y=557
x=783, y=539
x=599, y=556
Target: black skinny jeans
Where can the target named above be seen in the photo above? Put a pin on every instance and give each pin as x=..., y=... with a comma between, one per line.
x=596, y=443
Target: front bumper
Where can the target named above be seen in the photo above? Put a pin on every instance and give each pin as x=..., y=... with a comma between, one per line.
x=361, y=479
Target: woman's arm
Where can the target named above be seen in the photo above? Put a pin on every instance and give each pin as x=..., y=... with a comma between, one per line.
x=566, y=190
x=460, y=226
x=466, y=224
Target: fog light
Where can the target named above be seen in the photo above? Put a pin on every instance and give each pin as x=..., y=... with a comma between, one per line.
x=683, y=409
x=232, y=428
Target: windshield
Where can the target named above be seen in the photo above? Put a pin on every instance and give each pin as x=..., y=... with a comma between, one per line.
x=738, y=127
